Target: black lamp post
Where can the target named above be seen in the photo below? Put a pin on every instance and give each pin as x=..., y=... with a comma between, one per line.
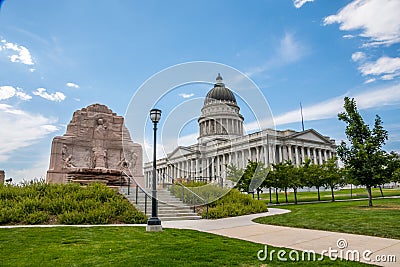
x=154, y=223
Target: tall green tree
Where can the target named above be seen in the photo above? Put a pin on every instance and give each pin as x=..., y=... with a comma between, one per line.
x=233, y=173
x=363, y=157
x=250, y=179
x=277, y=176
x=332, y=175
x=313, y=176
x=297, y=180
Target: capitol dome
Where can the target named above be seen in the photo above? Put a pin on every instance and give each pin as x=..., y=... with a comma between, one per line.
x=220, y=119
x=220, y=93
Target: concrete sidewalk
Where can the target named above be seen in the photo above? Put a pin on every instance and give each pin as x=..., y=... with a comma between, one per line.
x=301, y=239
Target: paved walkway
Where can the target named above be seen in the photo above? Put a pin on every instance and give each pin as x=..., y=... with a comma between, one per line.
x=301, y=239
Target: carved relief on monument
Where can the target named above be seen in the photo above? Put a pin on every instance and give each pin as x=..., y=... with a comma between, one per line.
x=92, y=148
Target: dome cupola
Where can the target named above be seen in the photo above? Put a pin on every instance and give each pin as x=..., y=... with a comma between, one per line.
x=220, y=119
x=220, y=93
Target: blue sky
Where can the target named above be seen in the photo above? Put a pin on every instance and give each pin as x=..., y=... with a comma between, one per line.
x=60, y=56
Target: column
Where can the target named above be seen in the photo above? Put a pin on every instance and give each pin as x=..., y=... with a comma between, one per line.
x=208, y=168
x=315, y=155
x=285, y=153
x=266, y=154
x=290, y=156
x=236, y=159
x=223, y=168
x=212, y=174
x=257, y=153
x=280, y=153
x=320, y=156
x=302, y=154
x=296, y=154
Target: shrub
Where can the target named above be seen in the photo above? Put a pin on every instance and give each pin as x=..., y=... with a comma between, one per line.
x=37, y=202
x=72, y=217
x=131, y=216
x=6, y=215
x=36, y=217
x=234, y=204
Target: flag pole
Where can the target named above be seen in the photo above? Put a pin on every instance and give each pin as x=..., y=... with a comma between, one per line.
x=302, y=118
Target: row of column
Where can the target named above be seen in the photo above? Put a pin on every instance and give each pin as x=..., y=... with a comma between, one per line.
x=214, y=167
x=221, y=126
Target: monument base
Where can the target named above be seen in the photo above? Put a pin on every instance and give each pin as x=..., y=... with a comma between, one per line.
x=86, y=176
x=153, y=228
x=154, y=225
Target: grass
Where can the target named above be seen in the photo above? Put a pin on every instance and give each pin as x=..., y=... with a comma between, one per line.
x=350, y=217
x=131, y=246
x=326, y=195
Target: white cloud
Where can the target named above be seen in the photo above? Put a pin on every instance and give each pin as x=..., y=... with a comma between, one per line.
x=358, y=56
x=7, y=92
x=32, y=69
x=370, y=80
x=72, y=85
x=23, y=129
x=386, y=66
x=22, y=53
x=186, y=95
x=348, y=36
x=23, y=96
x=290, y=49
x=57, y=96
x=378, y=20
x=330, y=108
x=300, y=3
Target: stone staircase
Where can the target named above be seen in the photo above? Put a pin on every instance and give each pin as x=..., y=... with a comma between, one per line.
x=170, y=208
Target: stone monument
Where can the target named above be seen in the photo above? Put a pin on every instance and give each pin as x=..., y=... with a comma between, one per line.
x=2, y=176
x=97, y=147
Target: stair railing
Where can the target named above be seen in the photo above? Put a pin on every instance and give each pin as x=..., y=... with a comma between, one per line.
x=137, y=189
x=173, y=181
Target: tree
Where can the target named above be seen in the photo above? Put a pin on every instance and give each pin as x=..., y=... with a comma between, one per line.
x=286, y=176
x=297, y=180
x=332, y=175
x=313, y=176
x=233, y=173
x=389, y=169
x=250, y=179
x=363, y=157
x=275, y=176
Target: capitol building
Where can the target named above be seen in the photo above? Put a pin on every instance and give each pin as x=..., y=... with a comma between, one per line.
x=221, y=142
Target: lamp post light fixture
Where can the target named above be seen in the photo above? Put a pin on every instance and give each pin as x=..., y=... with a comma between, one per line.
x=154, y=223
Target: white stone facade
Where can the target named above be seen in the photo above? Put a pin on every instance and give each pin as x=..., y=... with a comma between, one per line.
x=221, y=142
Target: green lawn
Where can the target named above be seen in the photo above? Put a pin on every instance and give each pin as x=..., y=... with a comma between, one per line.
x=350, y=217
x=326, y=195
x=130, y=246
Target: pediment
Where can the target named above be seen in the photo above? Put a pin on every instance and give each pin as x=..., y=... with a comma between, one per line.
x=311, y=135
x=181, y=151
